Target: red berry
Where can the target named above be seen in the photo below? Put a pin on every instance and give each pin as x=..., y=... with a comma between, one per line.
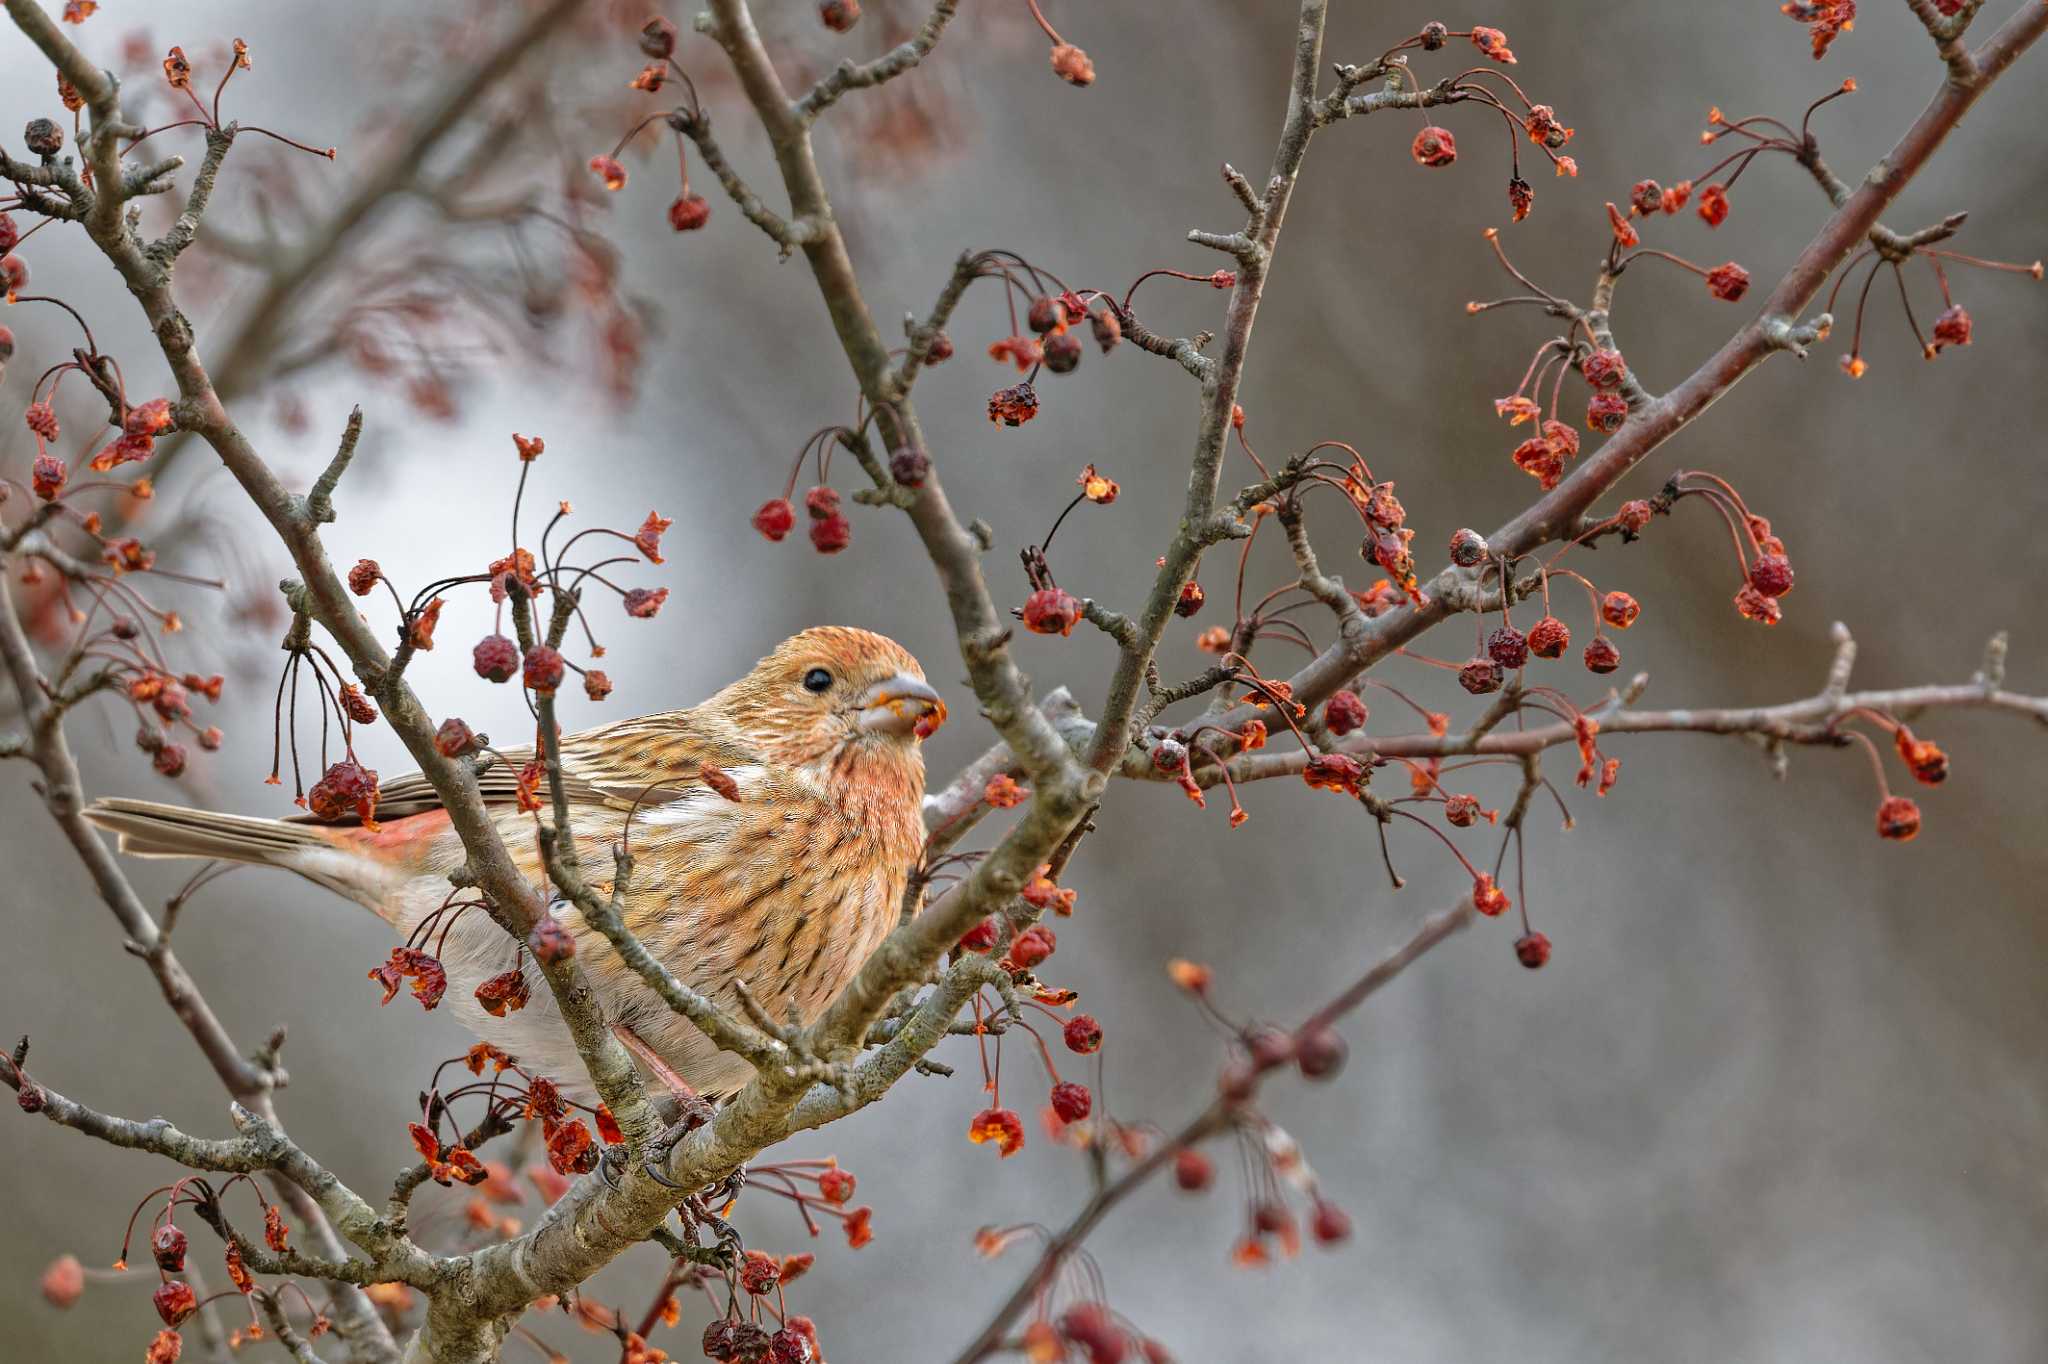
x=1468, y=547
x=1728, y=282
x=910, y=468
x=542, y=669
x=1083, y=1034
x=1344, y=712
x=940, y=350
x=822, y=502
x=658, y=38
x=1898, y=819
x=167, y=1244
x=1604, y=369
x=495, y=658
x=1634, y=515
x=1190, y=600
x=1462, y=811
x=1952, y=328
x=1330, y=1224
x=776, y=518
x=831, y=534
x=48, y=475
x=689, y=212
x=1606, y=412
x=1480, y=676
x=1549, y=638
x=362, y=579
x=1013, y=406
x=174, y=1301
x=1051, y=611
x=1713, y=205
x=1032, y=946
x=1646, y=197
x=1601, y=656
x=839, y=15
x=759, y=1272
x=835, y=1186
x=1071, y=1101
x=1771, y=575
x=1434, y=146
x=979, y=938
x=1320, y=1053
x=1192, y=1170
x=609, y=170
x=1532, y=950
x=1108, y=330
x=1620, y=610
x=1508, y=647
x=643, y=602
x=1072, y=65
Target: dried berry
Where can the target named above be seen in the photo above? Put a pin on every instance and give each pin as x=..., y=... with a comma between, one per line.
x=836, y=1186
x=1604, y=369
x=1462, y=811
x=1620, y=610
x=1549, y=638
x=1481, y=676
x=1344, y=712
x=1071, y=65
x=839, y=15
x=1046, y=314
x=1728, y=282
x=1107, y=329
x=541, y=670
x=1082, y=1034
x=1601, y=656
x=1771, y=575
x=1646, y=196
x=43, y=137
x=454, y=739
x=1071, y=1101
x=1488, y=898
x=1713, y=205
x=776, y=518
x=1192, y=1170
x=47, y=476
x=495, y=658
x=1330, y=1224
x=831, y=534
x=1952, y=328
x=940, y=350
x=1898, y=819
x=1051, y=611
x=1468, y=547
x=1532, y=950
x=1062, y=353
x=1754, y=605
x=167, y=1246
x=1606, y=412
x=1508, y=647
x=1000, y=1126
x=174, y=1301
x=1189, y=601
x=609, y=170
x=1013, y=406
x=362, y=579
x=642, y=602
x=910, y=468
x=1434, y=146
x=1032, y=946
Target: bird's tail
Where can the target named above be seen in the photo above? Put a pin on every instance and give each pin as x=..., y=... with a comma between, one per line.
x=149, y=828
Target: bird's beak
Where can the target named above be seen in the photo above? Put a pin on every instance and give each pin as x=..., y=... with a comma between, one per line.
x=902, y=705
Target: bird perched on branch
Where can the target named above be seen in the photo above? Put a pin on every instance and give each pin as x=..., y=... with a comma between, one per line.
x=776, y=828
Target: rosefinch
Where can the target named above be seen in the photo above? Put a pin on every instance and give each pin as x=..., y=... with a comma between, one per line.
x=787, y=888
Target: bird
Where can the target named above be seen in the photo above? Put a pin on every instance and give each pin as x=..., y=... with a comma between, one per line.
x=774, y=828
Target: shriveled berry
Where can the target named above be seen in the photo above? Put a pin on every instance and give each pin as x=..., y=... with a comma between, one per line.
x=362, y=579
x=776, y=518
x=759, y=1272
x=940, y=350
x=1320, y=1052
x=839, y=15
x=1032, y=946
x=1071, y=1101
x=1620, y=610
x=495, y=658
x=1434, y=146
x=1107, y=329
x=10, y=237
x=831, y=534
x=910, y=468
x=1549, y=638
x=658, y=38
x=1051, y=611
x=542, y=669
x=1344, y=712
x=1771, y=575
x=1532, y=950
x=1072, y=65
x=1604, y=369
x=1046, y=313
x=1713, y=205
x=1728, y=282
x=1647, y=196
x=1898, y=819
x=608, y=169
x=47, y=476
x=1508, y=647
x=174, y=1301
x=43, y=137
x=1461, y=811
x=1601, y=656
x=1468, y=547
x=1606, y=412
x=1488, y=898
x=1062, y=353
x=642, y=602
x=1082, y=1034
x=835, y=1186
x=1190, y=600
x=167, y=1246
x=1481, y=676
x=1634, y=515
x=1013, y=406
x=1952, y=328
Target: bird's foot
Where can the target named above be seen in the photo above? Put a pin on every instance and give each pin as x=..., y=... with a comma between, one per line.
x=696, y=1111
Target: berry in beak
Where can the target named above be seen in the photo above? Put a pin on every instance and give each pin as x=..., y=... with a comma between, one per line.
x=902, y=706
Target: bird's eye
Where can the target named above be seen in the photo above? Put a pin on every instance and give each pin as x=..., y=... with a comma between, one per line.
x=817, y=680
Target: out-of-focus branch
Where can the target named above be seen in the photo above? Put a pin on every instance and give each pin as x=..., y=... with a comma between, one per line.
x=850, y=75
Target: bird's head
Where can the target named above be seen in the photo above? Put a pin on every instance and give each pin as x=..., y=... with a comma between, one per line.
x=833, y=697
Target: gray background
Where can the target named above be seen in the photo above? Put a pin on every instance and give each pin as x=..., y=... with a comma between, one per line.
x=1780, y=1093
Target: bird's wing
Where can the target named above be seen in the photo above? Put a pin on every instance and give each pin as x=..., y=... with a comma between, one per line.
x=648, y=760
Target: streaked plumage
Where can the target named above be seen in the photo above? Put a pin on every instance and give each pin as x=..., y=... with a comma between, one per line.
x=789, y=888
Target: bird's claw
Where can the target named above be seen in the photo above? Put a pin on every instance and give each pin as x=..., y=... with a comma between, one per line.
x=695, y=1113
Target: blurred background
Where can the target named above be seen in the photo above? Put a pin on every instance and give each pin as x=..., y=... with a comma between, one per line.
x=1779, y=1095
